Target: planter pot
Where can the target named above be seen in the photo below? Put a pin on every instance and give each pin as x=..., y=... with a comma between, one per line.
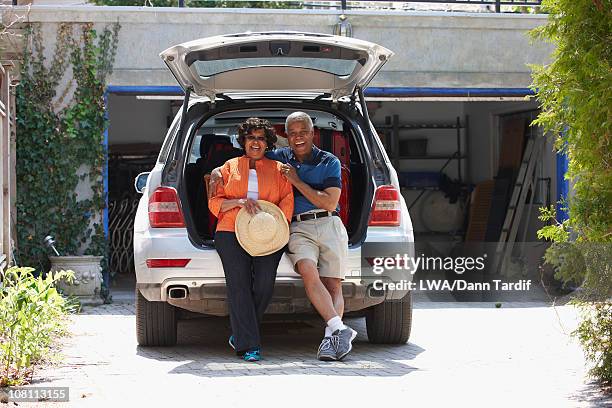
x=87, y=277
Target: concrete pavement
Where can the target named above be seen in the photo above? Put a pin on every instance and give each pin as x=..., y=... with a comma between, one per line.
x=459, y=354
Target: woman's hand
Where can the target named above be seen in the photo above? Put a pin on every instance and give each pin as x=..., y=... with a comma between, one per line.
x=251, y=205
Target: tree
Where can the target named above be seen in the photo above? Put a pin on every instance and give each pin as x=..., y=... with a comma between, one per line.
x=575, y=92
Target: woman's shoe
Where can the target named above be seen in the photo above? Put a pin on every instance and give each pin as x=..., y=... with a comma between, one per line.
x=252, y=355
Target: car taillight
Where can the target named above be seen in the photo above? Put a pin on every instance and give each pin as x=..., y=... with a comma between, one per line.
x=167, y=263
x=386, y=210
x=164, y=209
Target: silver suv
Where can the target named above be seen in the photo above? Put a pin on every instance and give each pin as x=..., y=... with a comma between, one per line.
x=227, y=79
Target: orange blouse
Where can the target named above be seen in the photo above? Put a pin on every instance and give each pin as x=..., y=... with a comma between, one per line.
x=272, y=186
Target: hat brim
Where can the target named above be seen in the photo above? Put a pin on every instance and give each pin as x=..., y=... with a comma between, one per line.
x=255, y=248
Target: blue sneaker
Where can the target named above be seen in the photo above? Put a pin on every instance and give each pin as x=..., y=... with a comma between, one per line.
x=232, y=342
x=252, y=355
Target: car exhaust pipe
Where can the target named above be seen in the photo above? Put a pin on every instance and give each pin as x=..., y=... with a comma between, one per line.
x=375, y=293
x=178, y=292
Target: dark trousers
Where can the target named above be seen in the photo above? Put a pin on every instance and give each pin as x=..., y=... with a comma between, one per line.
x=250, y=283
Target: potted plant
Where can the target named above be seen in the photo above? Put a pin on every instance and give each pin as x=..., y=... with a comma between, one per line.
x=86, y=283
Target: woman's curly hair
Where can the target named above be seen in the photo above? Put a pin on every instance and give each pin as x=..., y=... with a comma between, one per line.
x=252, y=124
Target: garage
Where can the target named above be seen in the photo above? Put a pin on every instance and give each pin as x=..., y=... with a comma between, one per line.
x=451, y=152
x=448, y=148
x=138, y=120
x=473, y=173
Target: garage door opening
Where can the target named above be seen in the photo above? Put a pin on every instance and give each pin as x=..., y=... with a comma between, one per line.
x=470, y=171
x=137, y=128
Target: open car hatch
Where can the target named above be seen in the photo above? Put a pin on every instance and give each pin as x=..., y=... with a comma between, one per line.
x=275, y=62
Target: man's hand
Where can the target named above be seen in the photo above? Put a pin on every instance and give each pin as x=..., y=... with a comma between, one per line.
x=215, y=178
x=326, y=199
x=290, y=173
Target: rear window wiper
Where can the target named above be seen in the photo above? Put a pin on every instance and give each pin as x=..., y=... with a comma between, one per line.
x=225, y=97
x=322, y=96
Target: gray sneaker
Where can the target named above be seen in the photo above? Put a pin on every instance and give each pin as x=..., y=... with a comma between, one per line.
x=342, y=340
x=327, y=351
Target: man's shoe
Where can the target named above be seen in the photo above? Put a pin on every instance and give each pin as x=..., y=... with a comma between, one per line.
x=252, y=355
x=232, y=342
x=326, y=352
x=342, y=340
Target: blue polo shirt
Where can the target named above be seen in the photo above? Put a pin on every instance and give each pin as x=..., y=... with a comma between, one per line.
x=320, y=171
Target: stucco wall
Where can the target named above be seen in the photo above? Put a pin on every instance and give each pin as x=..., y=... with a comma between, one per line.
x=433, y=49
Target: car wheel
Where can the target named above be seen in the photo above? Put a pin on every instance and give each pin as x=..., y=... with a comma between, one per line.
x=155, y=322
x=390, y=321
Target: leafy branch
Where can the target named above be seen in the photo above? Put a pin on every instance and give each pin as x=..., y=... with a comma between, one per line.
x=576, y=108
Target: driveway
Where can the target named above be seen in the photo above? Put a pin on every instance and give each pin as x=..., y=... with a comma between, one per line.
x=459, y=354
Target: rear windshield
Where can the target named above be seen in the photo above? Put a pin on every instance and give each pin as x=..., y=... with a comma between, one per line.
x=195, y=152
x=338, y=67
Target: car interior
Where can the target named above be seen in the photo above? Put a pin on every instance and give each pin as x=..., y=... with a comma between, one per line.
x=215, y=142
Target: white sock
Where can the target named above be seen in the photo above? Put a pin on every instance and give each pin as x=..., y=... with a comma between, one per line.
x=328, y=331
x=335, y=323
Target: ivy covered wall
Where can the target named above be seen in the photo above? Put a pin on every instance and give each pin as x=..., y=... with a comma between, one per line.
x=60, y=142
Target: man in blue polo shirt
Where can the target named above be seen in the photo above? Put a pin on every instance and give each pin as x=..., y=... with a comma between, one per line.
x=318, y=244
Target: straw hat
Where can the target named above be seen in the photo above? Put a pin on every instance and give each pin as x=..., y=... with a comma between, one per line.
x=263, y=233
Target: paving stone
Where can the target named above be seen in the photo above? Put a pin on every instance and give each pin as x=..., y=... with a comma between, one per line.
x=460, y=354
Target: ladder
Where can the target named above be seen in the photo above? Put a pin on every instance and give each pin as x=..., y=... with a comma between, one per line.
x=526, y=181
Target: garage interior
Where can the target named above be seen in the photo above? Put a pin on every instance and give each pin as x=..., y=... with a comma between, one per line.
x=458, y=163
x=474, y=174
x=137, y=128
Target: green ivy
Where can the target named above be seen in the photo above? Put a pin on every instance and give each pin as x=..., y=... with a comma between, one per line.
x=56, y=138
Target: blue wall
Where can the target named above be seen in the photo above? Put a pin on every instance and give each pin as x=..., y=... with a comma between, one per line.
x=562, y=186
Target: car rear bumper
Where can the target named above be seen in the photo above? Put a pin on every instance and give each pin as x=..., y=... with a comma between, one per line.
x=204, y=279
x=209, y=295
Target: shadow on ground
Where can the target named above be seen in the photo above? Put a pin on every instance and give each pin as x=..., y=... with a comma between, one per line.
x=287, y=348
x=593, y=395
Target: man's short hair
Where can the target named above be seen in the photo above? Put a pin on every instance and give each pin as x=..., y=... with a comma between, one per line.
x=298, y=117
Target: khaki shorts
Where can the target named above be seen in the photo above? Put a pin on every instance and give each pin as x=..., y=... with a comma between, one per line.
x=322, y=240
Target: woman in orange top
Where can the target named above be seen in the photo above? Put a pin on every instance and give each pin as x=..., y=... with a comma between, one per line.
x=249, y=280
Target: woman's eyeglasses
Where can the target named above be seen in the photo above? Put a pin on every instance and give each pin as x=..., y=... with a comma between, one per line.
x=252, y=138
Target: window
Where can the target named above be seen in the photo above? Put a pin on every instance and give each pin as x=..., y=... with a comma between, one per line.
x=338, y=67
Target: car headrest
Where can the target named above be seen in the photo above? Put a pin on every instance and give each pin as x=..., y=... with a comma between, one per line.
x=210, y=140
x=280, y=130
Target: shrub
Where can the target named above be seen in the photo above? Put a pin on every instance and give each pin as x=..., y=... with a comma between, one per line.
x=574, y=93
x=33, y=315
x=595, y=334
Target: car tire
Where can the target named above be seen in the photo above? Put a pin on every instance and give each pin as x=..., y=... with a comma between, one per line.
x=156, y=322
x=390, y=322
